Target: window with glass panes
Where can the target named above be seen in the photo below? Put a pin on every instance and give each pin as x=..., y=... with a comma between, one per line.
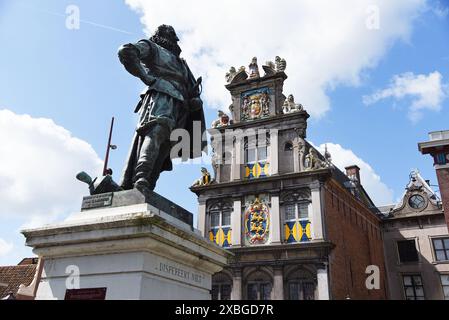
x=220, y=223
x=296, y=221
x=413, y=287
x=256, y=153
x=259, y=291
x=301, y=290
x=296, y=211
x=445, y=284
x=221, y=291
x=220, y=218
x=441, y=248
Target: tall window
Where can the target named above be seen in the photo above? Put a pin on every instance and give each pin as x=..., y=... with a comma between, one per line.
x=441, y=248
x=407, y=251
x=259, y=290
x=220, y=223
x=256, y=156
x=259, y=286
x=413, y=287
x=296, y=211
x=221, y=291
x=301, y=285
x=221, y=286
x=445, y=285
x=301, y=290
x=295, y=208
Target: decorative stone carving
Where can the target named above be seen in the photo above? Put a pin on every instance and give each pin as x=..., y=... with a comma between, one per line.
x=269, y=68
x=301, y=130
x=290, y=106
x=216, y=156
x=312, y=161
x=327, y=155
x=280, y=64
x=240, y=76
x=257, y=222
x=302, y=153
x=254, y=69
x=223, y=120
x=255, y=104
x=204, y=180
x=230, y=75
x=265, y=102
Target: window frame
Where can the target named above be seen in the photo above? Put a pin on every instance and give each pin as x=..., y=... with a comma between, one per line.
x=301, y=288
x=404, y=286
x=399, y=254
x=220, y=212
x=445, y=249
x=220, y=291
x=444, y=285
x=259, y=284
x=296, y=204
x=256, y=147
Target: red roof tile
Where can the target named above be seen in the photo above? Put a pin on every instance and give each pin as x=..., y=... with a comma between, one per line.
x=11, y=277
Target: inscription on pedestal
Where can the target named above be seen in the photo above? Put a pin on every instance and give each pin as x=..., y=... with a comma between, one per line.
x=180, y=273
x=97, y=201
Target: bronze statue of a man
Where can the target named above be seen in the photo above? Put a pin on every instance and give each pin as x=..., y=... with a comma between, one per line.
x=172, y=100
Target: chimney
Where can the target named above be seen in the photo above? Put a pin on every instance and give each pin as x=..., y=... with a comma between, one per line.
x=353, y=173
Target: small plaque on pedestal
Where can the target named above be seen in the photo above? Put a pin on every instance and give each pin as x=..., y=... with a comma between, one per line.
x=97, y=201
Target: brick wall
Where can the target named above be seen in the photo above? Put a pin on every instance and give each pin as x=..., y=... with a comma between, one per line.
x=357, y=236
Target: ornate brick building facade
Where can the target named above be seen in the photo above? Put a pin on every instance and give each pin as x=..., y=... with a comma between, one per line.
x=299, y=228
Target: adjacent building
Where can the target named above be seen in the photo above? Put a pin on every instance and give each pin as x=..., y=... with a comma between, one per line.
x=438, y=148
x=416, y=244
x=299, y=228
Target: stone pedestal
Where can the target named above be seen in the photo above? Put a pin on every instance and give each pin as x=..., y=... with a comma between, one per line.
x=125, y=246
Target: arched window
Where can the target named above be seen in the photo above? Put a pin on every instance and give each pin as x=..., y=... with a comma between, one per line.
x=301, y=285
x=221, y=286
x=258, y=286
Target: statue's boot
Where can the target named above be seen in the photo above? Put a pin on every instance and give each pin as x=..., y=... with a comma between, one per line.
x=164, y=152
x=148, y=166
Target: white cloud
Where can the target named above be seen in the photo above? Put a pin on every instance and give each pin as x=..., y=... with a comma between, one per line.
x=427, y=92
x=371, y=181
x=38, y=164
x=440, y=10
x=325, y=43
x=5, y=247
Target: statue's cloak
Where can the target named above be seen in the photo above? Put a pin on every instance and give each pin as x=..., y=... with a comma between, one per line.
x=178, y=94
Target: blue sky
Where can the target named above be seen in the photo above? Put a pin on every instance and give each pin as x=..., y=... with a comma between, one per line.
x=74, y=78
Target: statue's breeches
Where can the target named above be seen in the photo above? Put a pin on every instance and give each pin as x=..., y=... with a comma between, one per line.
x=161, y=114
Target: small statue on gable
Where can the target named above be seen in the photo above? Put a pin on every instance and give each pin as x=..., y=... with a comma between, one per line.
x=205, y=179
x=312, y=161
x=290, y=106
x=230, y=75
x=280, y=64
x=254, y=69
